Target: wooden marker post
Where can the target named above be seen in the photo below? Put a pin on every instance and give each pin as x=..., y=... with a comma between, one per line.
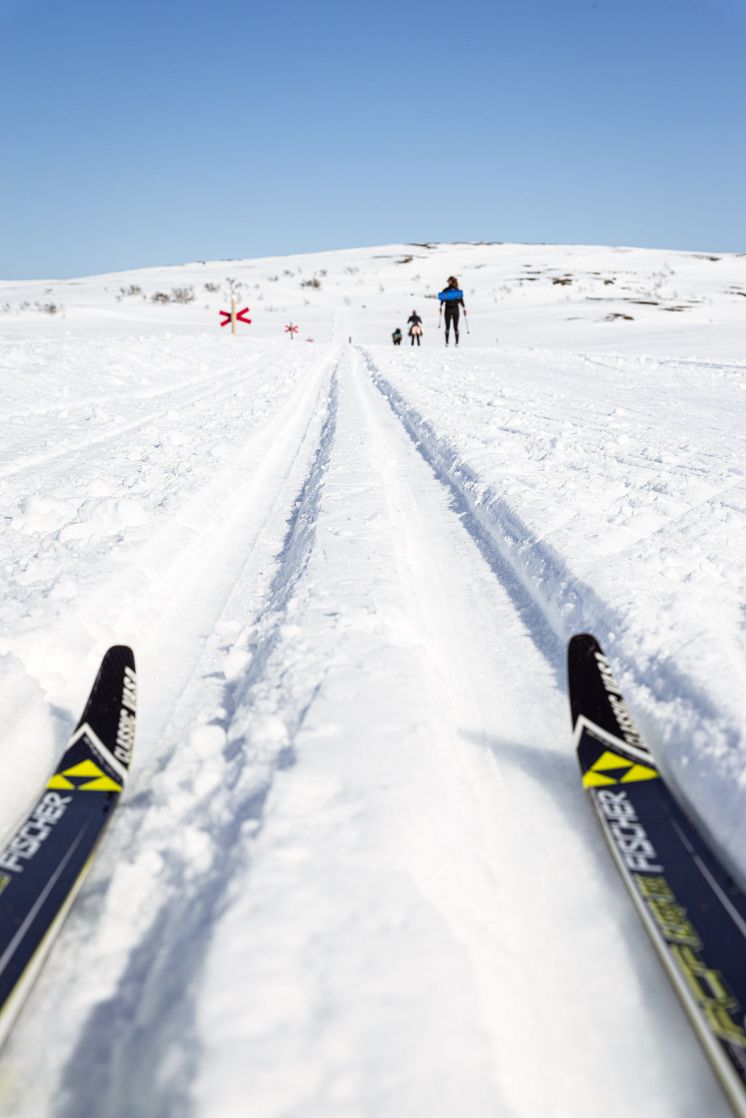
x=233, y=316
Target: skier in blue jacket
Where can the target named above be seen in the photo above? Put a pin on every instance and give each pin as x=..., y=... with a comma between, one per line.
x=452, y=297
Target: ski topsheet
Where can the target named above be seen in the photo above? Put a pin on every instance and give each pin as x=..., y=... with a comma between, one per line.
x=44, y=863
x=693, y=910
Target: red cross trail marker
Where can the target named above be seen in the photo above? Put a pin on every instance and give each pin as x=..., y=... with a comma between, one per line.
x=233, y=316
x=290, y=329
x=240, y=316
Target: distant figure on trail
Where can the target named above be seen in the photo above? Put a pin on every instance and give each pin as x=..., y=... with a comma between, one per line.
x=397, y=336
x=415, y=327
x=452, y=297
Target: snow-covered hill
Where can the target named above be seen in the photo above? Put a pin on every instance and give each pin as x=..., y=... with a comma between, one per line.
x=354, y=873
x=610, y=298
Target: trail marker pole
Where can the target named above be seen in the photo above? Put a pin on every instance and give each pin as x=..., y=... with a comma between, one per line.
x=233, y=316
x=291, y=330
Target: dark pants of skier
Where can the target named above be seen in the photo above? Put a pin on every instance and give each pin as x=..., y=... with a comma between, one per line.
x=452, y=318
x=415, y=337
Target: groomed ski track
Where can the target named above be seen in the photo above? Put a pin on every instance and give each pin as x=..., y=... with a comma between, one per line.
x=350, y=871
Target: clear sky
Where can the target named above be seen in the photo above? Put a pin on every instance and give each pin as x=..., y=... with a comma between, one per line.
x=153, y=132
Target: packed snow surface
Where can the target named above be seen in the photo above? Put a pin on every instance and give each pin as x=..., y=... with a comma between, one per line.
x=354, y=874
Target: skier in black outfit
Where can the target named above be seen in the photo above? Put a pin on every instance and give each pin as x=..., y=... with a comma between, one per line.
x=452, y=297
x=415, y=327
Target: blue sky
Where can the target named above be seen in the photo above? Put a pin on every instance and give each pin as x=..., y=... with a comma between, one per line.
x=150, y=132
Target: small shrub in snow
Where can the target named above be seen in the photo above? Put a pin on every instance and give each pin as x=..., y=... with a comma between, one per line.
x=315, y=282
x=50, y=308
x=182, y=295
x=133, y=289
x=160, y=297
x=213, y=288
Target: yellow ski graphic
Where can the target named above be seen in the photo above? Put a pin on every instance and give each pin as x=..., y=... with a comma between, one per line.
x=84, y=777
x=626, y=771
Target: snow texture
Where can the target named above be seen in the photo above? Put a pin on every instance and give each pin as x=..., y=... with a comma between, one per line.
x=354, y=875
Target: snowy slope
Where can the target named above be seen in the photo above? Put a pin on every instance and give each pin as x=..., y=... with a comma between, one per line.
x=354, y=873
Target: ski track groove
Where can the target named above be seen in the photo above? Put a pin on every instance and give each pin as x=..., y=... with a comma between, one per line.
x=161, y=991
x=551, y=600
x=551, y=603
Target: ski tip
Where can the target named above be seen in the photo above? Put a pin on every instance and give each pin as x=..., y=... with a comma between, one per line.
x=596, y=701
x=582, y=652
x=112, y=702
x=581, y=645
x=119, y=654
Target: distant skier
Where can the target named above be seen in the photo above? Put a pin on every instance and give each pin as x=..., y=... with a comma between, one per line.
x=415, y=327
x=397, y=336
x=452, y=297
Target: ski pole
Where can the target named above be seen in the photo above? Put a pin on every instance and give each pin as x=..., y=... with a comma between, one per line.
x=466, y=321
x=440, y=315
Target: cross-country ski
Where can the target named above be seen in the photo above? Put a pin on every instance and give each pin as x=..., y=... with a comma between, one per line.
x=44, y=863
x=691, y=907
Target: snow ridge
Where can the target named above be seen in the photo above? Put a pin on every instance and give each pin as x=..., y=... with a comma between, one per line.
x=554, y=603
x=159, y=985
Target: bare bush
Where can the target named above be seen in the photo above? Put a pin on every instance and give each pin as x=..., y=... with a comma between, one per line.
x=182, y=295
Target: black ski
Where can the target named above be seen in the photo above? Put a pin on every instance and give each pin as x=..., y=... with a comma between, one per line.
x=691, y=907
x=44, y=863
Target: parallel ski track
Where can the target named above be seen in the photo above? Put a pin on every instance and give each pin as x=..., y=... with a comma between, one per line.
x=437, y=572
x=198, y=578
x=552, y=601
x=152, y=987
x=157, y=985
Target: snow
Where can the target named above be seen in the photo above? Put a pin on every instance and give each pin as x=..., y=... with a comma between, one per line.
x=354, y=872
